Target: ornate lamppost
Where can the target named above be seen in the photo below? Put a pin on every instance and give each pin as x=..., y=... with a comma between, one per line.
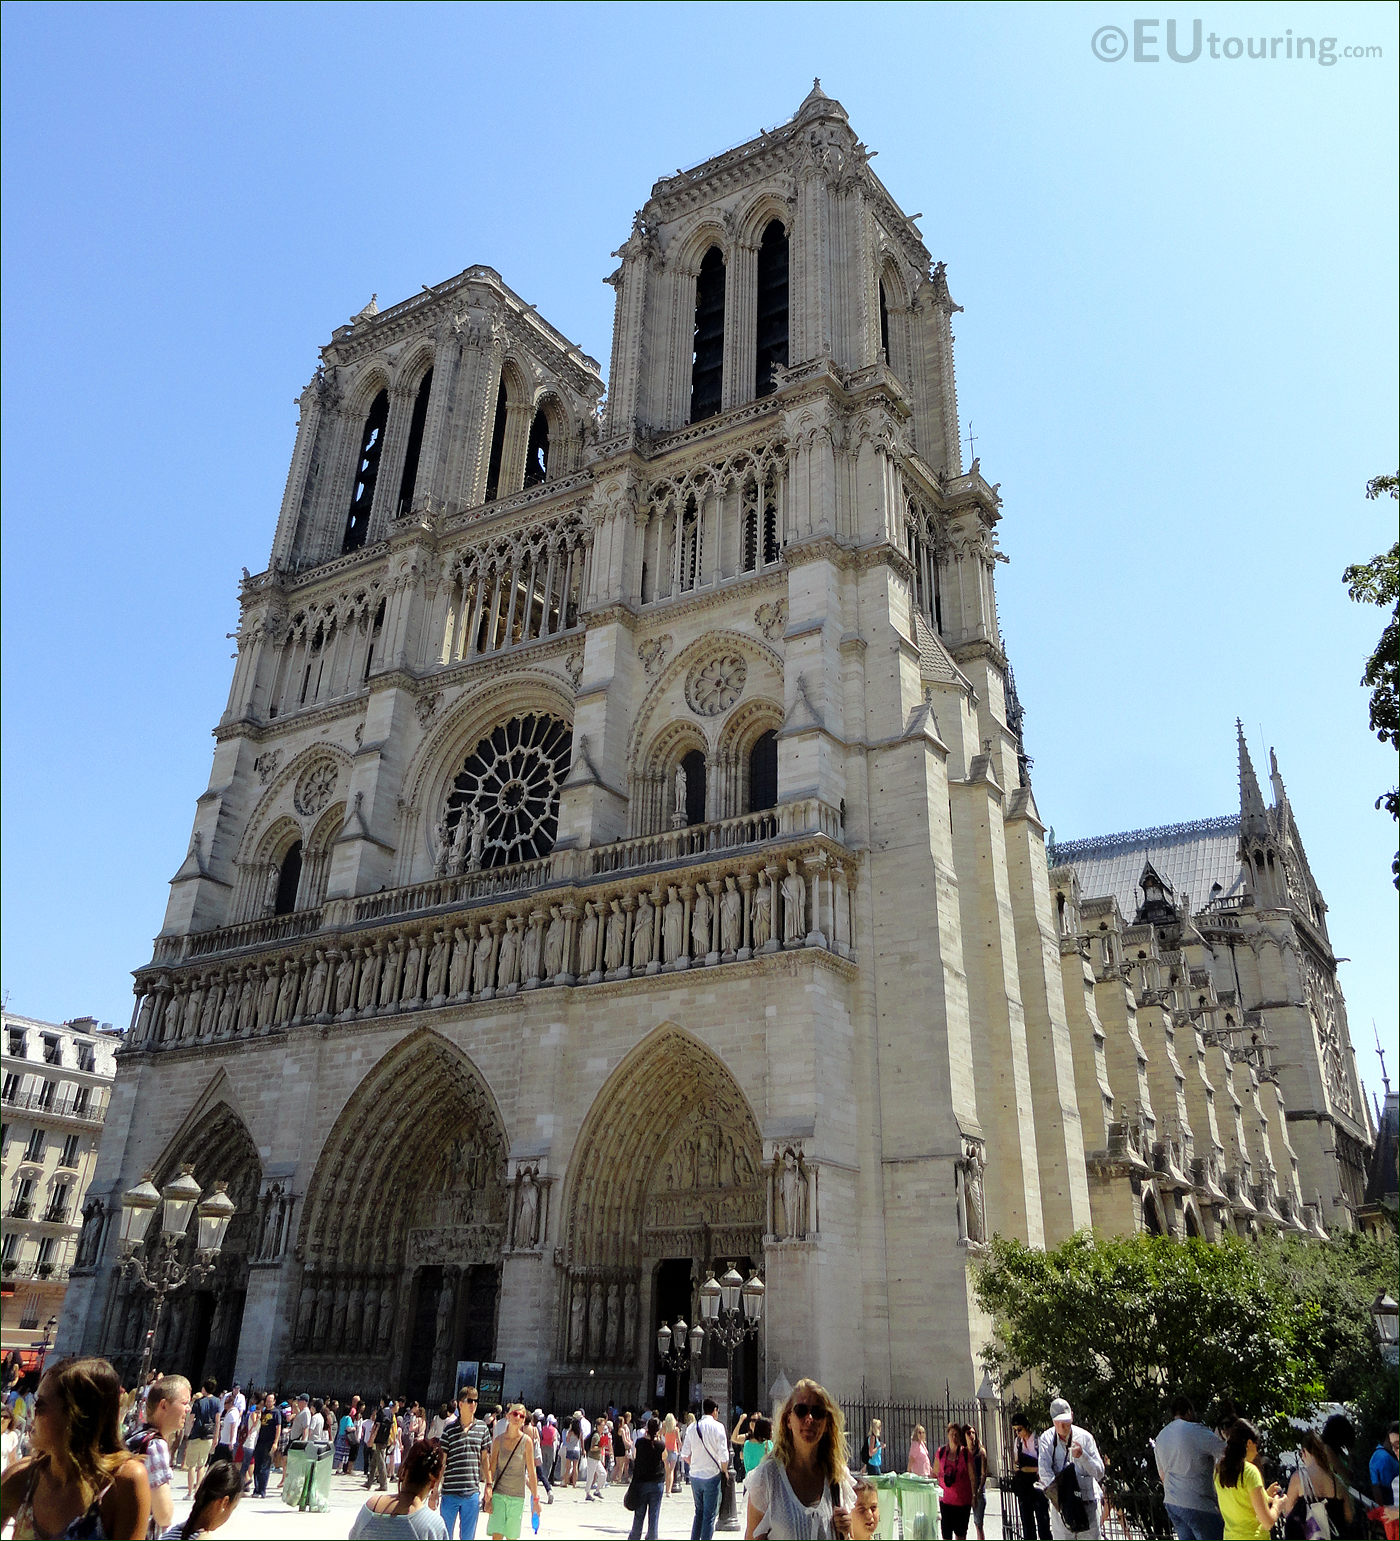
x=1386, y=1315
x=675, y=1359
x=160, y=1272
x=732, y=1309
x=49, y=1328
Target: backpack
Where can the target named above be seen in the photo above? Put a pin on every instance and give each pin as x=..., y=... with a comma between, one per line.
x=1071, y=1501
x=206, y=1418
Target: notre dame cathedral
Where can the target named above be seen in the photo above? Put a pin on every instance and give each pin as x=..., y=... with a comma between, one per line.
x=619, y=861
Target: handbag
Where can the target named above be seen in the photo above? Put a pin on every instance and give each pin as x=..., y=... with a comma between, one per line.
x=629, y=1498
x=1316, y=1522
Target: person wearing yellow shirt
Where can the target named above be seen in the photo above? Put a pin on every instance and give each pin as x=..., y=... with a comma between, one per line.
x=1249, y=1509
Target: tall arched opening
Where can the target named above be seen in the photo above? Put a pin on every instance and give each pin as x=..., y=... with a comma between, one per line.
x=666, y=1183
x=402, y=1230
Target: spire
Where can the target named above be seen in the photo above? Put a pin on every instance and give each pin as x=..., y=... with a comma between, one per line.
x=817, y=104
x=1276, y=781
x=1252, y=817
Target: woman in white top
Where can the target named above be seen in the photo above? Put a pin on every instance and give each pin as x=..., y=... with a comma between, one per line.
x=228, y=1423
x=802, y=1490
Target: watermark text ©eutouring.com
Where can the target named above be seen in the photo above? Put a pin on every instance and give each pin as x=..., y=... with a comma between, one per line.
x=1148, y=46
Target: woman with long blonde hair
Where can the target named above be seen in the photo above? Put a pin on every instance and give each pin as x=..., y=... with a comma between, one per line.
x=802, y=1489
x=671, y=1438
x=80, y=1480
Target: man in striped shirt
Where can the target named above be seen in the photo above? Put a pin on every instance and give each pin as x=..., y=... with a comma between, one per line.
x=463, y=1438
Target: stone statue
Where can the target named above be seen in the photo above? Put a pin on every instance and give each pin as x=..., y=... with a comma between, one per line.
x=267, y=996
x=369, y=978
x=577, y=1307
x=629, y=1322
x=287, y=991
x=509, y=953
x=700, y=922
x=386, y=1314
x=90, y=1239
x=316, y=986
x=446, y=1315
x=389, y=972
x=672, y=927
x=481, y=963
x=459, y=840
x=614, y=1322
x=642, y=928
x=596, y=1323
x=731, y=918
x=527, y=1210
x=446, y=845
x=794, y=907
x=354, y=1316
x=413, y=969
x=476, y=834
x=615, y=941
x=588, y=939
x=554, y=943
x=306, y=1311
x=679, y=809
x=971, y=1206
x=762, y=915
x=437, y=967
x=342, y=1300
x=530, y=952
x=459, y=972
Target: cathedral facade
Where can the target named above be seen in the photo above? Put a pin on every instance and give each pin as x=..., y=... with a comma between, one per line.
x=618, y=859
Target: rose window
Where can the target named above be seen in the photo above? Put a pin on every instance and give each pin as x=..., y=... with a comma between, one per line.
x=512, y=779
x=715, y=686
x=315, y=787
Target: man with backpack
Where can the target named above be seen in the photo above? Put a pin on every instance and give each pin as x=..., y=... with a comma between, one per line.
x=1070, y=1471
x=167, y=1402
x=203, y=1432
x=385, y=1429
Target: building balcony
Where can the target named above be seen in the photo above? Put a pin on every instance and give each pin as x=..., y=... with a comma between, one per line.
x=59, y=1110
x=21, y=1209
x=730, y=892
x=14, y=1271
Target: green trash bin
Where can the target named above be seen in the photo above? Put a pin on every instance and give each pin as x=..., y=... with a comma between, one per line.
x=308, y=1481
x=918, y=1507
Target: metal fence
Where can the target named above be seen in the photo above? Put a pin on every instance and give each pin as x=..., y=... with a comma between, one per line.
x=898, y=1421
x=1126, y=1514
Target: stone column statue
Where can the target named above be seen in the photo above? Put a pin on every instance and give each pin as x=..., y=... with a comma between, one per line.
x=672, y=927
x=794, y=907
x=731, y=919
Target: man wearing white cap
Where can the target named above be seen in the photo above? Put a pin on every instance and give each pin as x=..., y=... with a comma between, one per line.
x=1074, y=1499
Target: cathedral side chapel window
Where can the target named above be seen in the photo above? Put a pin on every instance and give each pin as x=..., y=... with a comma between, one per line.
x=707, y=365
x=417, y=423
x=772, y=329
x=537, y=457
x=367, y=474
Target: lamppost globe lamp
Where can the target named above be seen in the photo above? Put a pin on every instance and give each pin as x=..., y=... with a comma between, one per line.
x=710, y=1294
x=139, y=1204
x=697, y=1340
x=214, y=1215
x=752, y=1294
x=179, y=1197
x=730, y=1286
x=663, y=1340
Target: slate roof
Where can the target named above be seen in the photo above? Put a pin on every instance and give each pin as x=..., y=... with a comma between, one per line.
x=1382, y=1180
x=1190, y=857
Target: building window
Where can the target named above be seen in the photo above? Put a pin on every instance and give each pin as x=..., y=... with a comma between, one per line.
x=707, y=364
x=45, y=1261
x=23, y=1206
x=69, y=1158
x=498, y=445
x=29, y=1317
x=14, y=1039
x=57, y=1212
x=82, y=1098
x=87, y=1059
x=34, y=1151
x=763, y=772
x=366, y=474
x=47, y=1093
x=772, y=330
x=694, y=767
x=9, y=1250
x=53, y=1050
x=417, y=423
x=884, y=323
x=288, y=881
x=537, y=457
x=10, y=1090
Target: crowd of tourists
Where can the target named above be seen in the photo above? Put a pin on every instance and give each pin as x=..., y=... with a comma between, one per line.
x=84, y=1458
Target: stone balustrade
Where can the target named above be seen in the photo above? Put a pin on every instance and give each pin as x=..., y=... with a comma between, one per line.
x=720, y=908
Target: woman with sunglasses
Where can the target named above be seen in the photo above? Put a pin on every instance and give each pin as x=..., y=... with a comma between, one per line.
x=802, y=1490
x=512, y=1466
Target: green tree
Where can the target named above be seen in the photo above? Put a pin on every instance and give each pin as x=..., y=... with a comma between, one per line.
x=1377, y=582
x=1120, y=1325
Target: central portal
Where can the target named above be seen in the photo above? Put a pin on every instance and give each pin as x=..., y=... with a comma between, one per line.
x=666, y=1185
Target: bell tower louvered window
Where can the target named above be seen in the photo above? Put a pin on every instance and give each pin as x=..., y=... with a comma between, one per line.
x=417, y=423
x=498, y=446
x=772, y=329
x=366, y=474
x=707, y=368
x=537, y=457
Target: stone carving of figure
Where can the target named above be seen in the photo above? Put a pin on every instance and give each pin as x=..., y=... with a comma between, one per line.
x=386, y=1314
x=287, y=991
x=731, y=917
x=595, y=1319
x=577, y=1308
x=794, y=907
x=705, y=1165
x=700, y=922
x=614, y=1322
x=228, y=1007
x=369, y=977
x=306, y=1311
x=459, y=973
x=615, y=941
x=354, y=1315
x=530, y=951
x=588, y=939
x=460, y=842
x=91, y=1234
x=792, y=1183
x=344, y=978
x=445, y=847
x=316, y=983
x=342, y=1300
x=267, y=1244
x=413, y=969
x=267, y=995
x=437, y=967
x=370, y=1323
x=527, y=1220
x=762, y=914
x=680, y=797
x=970, y=1202
x=672, y=927
x=143, y=1018
x=642, y=928
x=389, y=973
x=554, y=943
x=510, y=951
x=481, y=963
x=629, y=1322
x=446, y=1314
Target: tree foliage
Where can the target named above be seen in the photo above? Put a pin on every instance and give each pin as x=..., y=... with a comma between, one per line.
x=1120, y=1325
x=1377, y=582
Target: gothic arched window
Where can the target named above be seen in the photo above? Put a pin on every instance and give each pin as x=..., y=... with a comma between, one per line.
x=288, y=881
x=884, y=322
x=498, y=445
x=417, y=423
x=707, y=367
x=694, y=767
x=772, y=329
x=366, y=474
x=537, y=457
x=763, y=772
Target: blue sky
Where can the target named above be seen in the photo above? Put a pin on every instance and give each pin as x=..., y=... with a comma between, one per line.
x=1177, y=355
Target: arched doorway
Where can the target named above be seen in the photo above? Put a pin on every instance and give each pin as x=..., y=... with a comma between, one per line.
x=665, y=1184
x=200, y=1326
x=402, y=1229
